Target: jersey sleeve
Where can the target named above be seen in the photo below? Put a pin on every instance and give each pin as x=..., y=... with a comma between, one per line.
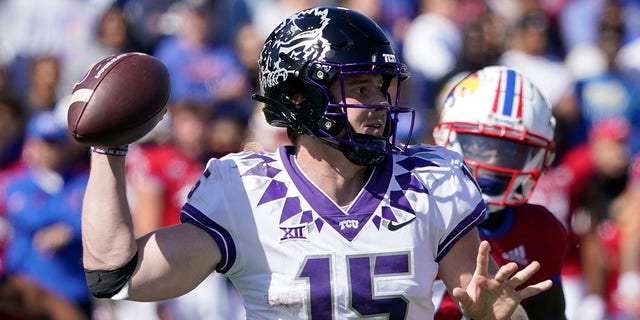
x=456, y=205
x=208, y=206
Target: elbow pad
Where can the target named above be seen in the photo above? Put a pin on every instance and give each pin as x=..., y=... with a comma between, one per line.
x=107, y=283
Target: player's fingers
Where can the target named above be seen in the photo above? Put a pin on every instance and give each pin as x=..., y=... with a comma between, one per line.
x=462, y=298
x=482, y=260
x=534, y=289
x=521, y=276
x=506, y=271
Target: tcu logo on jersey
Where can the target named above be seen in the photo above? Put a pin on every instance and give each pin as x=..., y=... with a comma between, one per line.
x=350, y=223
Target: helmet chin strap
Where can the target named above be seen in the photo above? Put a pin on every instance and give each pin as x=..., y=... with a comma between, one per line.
x=363, y=156
x=358, y=155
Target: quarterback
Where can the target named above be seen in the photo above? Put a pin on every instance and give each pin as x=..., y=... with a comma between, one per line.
x=345, y=223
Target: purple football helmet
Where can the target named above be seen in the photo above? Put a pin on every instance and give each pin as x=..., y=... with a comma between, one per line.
x=310, y=50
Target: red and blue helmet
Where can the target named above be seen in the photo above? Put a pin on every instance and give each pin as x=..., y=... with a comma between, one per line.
x=504, y=128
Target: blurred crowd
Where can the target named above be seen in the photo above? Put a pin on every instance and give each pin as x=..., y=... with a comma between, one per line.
x=584, y=55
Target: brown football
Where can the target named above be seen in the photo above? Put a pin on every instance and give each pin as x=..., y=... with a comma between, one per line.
x=119, y=100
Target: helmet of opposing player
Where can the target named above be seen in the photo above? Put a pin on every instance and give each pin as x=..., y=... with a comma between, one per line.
x=503, y=127
x=311, y=50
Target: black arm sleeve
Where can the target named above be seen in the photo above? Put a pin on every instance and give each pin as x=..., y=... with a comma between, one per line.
x=106, y=283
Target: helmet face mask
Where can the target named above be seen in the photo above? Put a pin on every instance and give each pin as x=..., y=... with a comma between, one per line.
x=334, y=122
x=503, y=127
x=500, y=164
x=320, y=46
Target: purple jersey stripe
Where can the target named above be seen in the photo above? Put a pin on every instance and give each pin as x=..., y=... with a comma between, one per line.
x=222, y=237
x=471, y=221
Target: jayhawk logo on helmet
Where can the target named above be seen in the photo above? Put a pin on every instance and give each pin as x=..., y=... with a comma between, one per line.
x=466, y=87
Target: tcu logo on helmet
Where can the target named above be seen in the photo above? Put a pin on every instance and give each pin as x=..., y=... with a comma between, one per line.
x=299, y=37
x=389, y=57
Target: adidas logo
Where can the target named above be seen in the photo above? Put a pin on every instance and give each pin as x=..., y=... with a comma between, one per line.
x=517, y=255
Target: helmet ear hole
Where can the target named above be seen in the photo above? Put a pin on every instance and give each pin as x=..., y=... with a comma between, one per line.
x=332, y=125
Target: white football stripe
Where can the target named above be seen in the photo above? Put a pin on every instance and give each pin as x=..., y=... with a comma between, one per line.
x=81, y=95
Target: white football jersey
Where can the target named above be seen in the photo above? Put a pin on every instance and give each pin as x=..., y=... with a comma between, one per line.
x=293, y=253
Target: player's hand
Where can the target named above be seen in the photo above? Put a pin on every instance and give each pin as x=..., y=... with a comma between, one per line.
x=496, y=298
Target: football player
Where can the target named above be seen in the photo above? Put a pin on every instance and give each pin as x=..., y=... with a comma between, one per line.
x=503, y=127
x=347, y=222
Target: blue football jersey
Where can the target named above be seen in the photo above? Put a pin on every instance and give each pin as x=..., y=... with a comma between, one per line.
x=293, y=253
